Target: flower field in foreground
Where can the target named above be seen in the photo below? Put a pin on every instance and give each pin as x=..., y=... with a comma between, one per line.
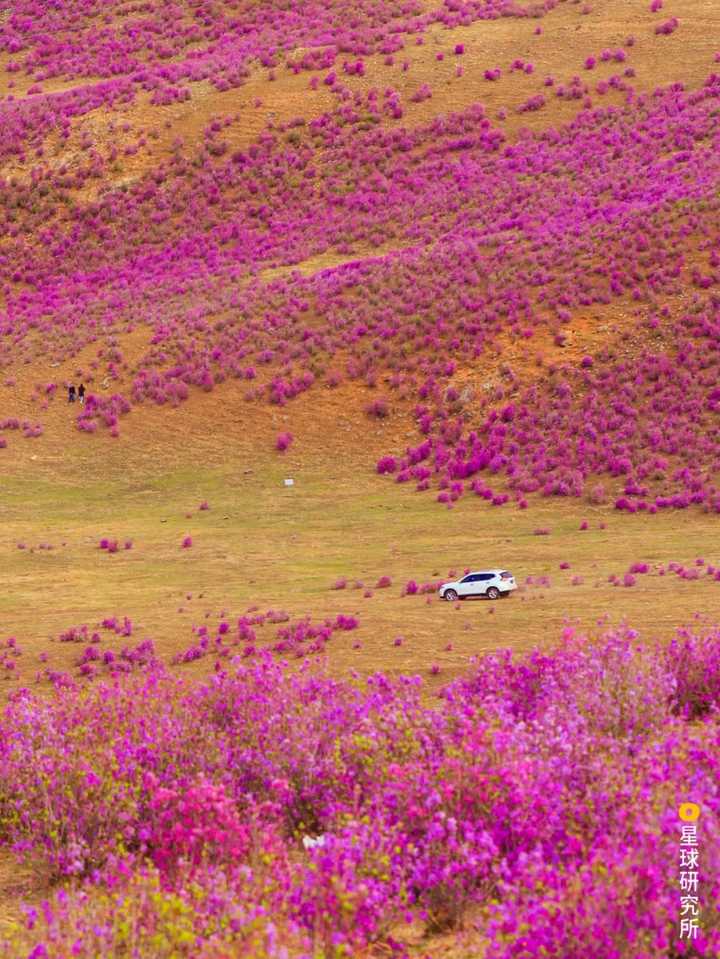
x=532, y=805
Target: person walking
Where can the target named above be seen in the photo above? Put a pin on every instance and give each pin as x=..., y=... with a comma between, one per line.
x=81, y=394
x=71, y=394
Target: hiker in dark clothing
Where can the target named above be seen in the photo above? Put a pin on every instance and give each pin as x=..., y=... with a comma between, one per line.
x=71, y=394
x=81, y=394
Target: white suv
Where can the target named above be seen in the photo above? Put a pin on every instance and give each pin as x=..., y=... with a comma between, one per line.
x=492, y=583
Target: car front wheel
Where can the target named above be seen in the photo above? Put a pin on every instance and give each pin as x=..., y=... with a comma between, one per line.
x=450, y=595
x=493, y=593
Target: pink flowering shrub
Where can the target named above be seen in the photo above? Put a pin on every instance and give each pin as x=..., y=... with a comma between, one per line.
x=598, y=494
x=697, y=673
x=499, y=798
x=388, y=464
x=668, y=27
x=532, y=104
x=194, y=826
x=378, y=409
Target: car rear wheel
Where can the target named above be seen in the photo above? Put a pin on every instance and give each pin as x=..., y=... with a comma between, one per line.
x=450, y=595
x=493, y=593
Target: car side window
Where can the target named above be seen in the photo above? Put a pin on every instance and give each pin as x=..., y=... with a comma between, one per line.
x=485, y=576
x=467, y=579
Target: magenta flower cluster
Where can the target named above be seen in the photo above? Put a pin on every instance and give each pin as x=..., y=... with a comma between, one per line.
x=299, y=638
x=536, y=798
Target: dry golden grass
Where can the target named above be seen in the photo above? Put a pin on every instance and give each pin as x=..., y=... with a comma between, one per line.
x=263, y=544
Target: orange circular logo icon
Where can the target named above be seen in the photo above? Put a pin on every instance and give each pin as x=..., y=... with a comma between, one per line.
x=689, y=811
